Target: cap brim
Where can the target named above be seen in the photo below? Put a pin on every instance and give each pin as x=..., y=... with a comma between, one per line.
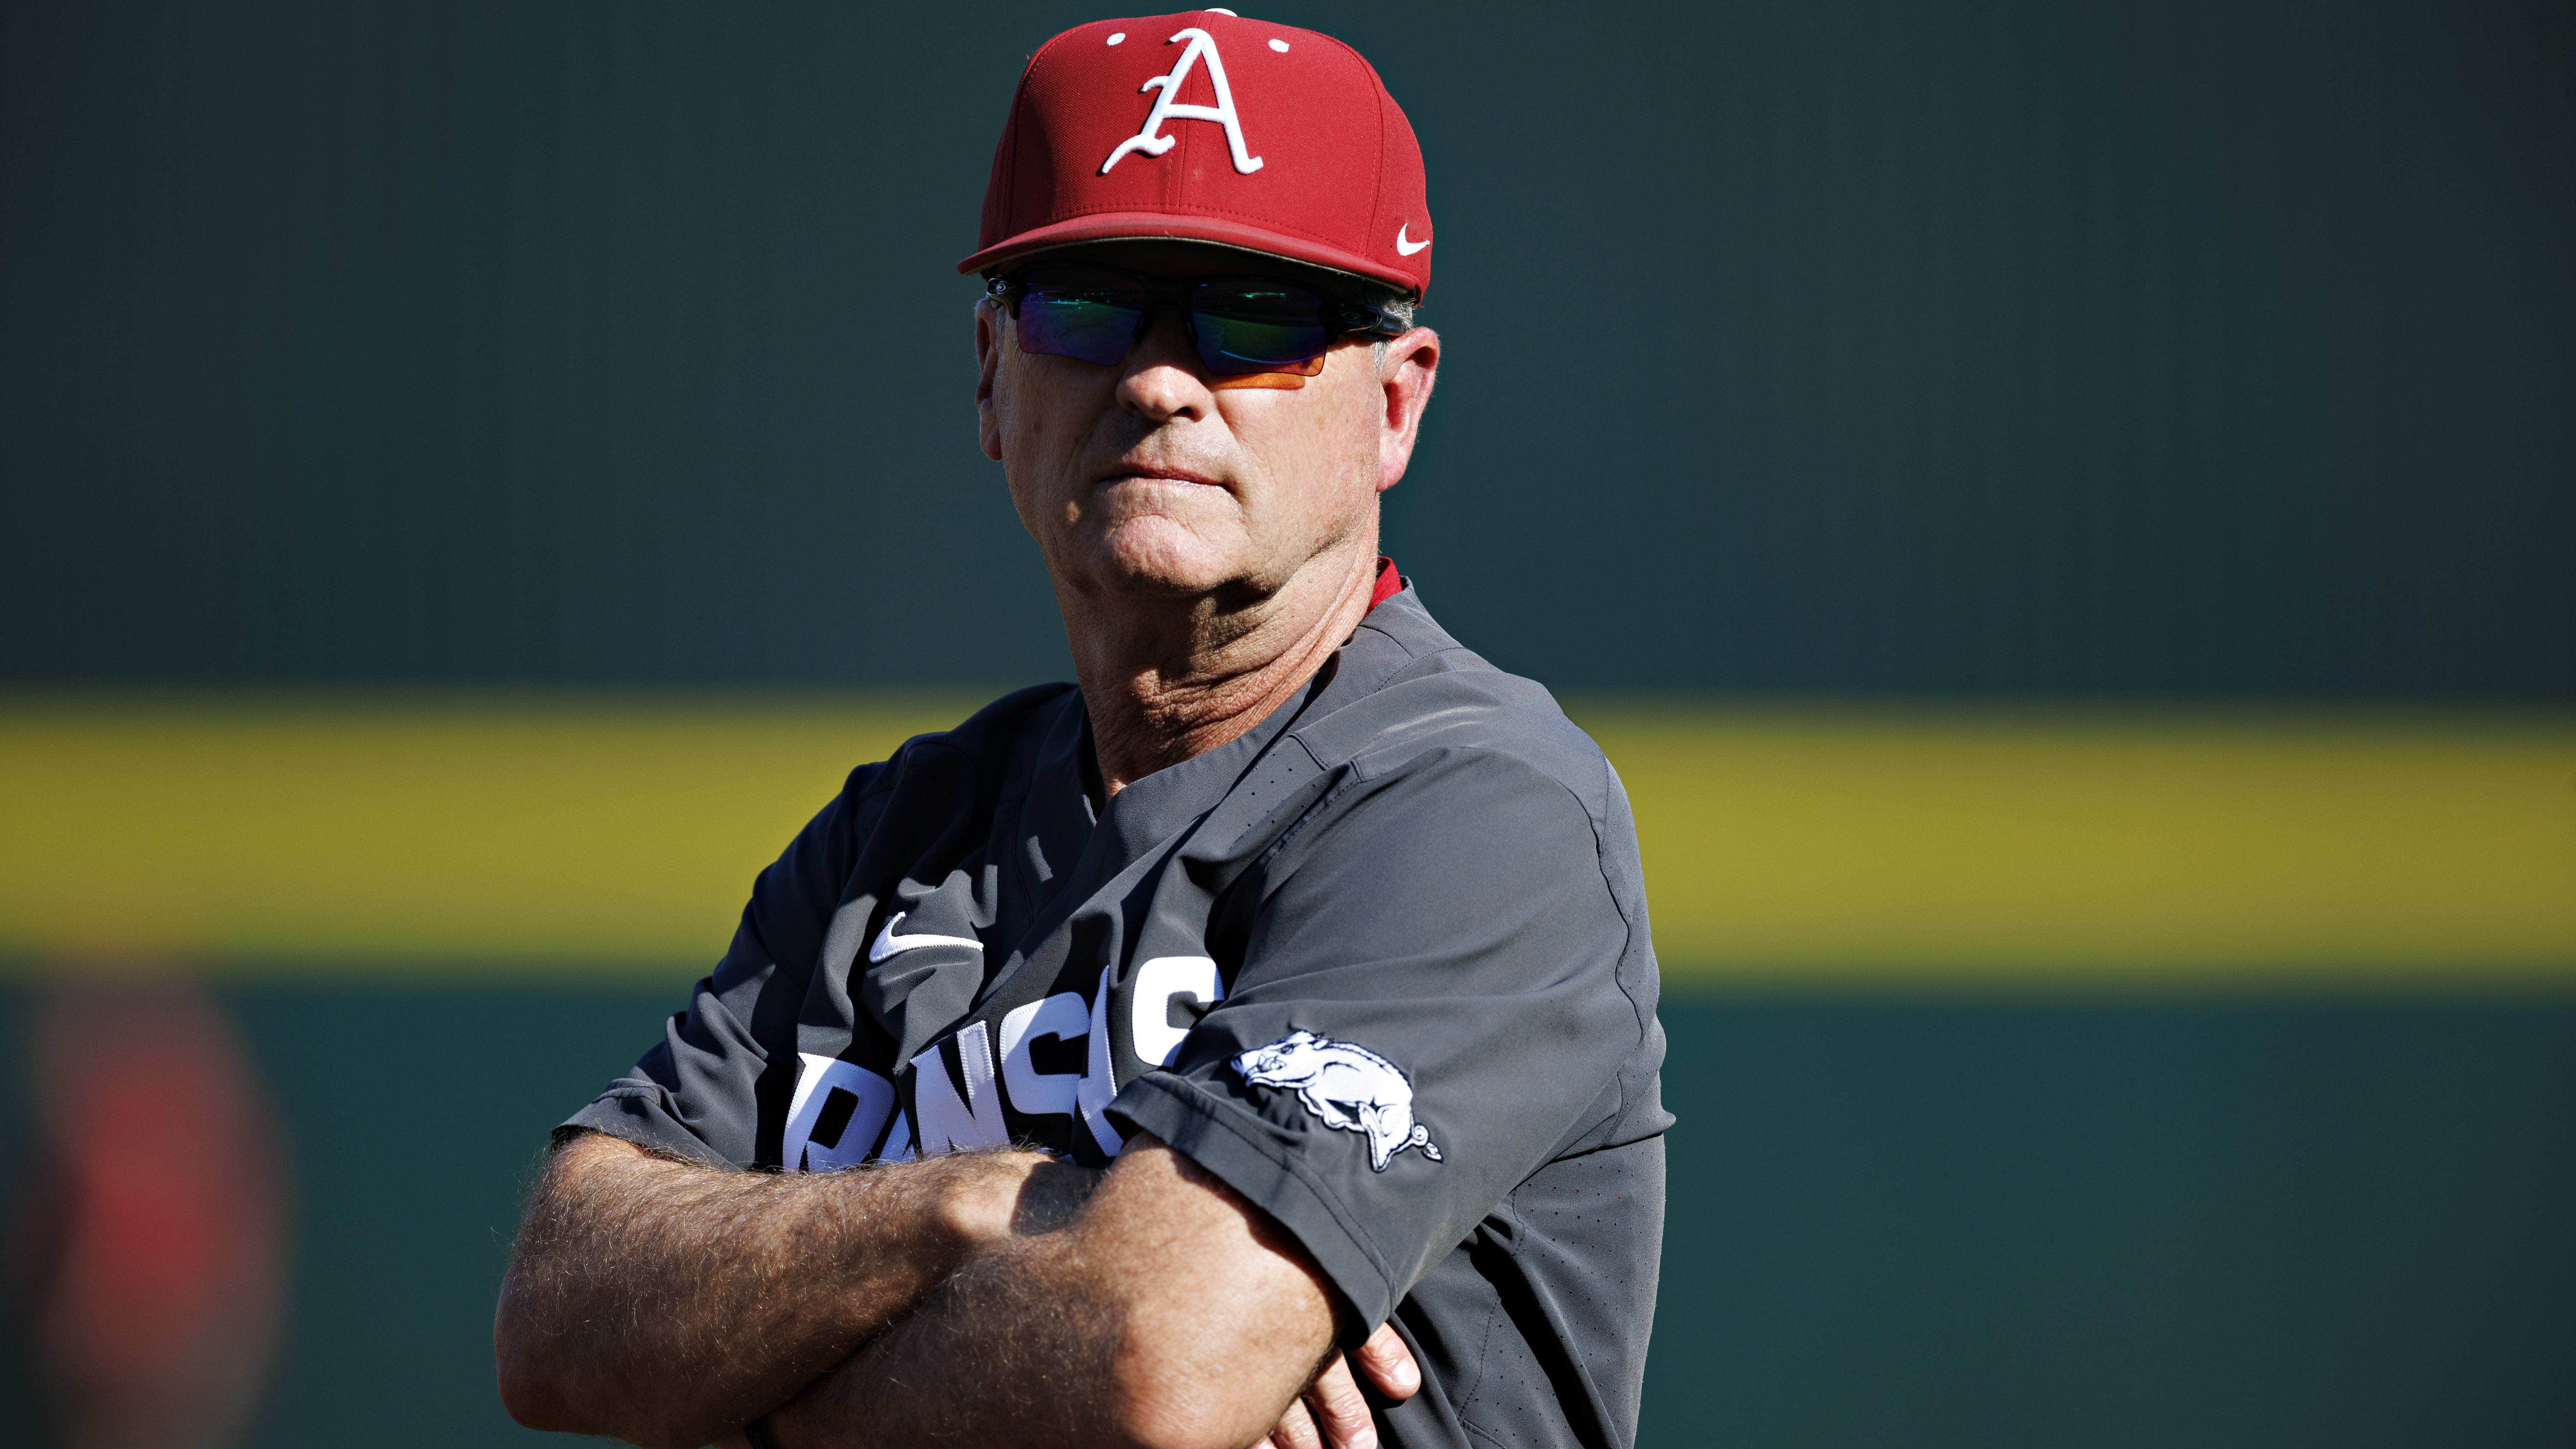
x=1130, y=225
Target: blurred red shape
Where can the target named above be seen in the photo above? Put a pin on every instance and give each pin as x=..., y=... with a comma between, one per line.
x=151, y=1243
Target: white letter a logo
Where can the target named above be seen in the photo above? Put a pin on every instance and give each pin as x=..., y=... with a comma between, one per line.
x=1150, y=139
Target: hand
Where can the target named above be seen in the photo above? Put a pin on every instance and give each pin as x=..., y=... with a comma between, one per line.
x=1332, y=1413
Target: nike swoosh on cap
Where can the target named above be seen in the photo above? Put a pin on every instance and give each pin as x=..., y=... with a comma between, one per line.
x=1408, y=248
x=888, y=943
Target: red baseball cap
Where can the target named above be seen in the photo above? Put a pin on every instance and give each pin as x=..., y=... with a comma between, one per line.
x=1205, y=126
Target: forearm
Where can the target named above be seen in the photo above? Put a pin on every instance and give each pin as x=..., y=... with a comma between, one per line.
x=1179, y=1325
x=1011, y=1349
x=664, y=1303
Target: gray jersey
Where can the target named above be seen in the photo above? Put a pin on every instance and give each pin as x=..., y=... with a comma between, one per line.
x=1380, y=964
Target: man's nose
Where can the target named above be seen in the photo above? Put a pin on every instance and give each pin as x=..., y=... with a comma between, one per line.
x=1161, y=380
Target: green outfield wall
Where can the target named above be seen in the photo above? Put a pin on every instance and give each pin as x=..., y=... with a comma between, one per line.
x=1807, y=346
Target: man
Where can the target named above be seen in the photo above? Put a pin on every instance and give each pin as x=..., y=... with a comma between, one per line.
x=1284, y=990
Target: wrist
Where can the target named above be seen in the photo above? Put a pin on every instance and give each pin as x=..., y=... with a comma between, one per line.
x=987, y=1197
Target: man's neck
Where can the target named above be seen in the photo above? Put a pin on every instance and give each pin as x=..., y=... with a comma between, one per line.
x=1165, y=679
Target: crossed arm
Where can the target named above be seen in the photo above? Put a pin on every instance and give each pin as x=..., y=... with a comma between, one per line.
x=1000, y=1294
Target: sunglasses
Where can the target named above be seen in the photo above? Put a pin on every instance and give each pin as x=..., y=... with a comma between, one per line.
x=1239, y=325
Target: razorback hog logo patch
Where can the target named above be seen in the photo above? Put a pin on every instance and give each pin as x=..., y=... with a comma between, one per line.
x=1350, y=1088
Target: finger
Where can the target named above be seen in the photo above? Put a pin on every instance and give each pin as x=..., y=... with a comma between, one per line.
x=1340, y=1411
x=1389, y=1364
x=1296, y=1429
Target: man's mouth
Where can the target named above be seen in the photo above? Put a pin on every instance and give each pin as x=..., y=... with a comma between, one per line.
x=1156, y=473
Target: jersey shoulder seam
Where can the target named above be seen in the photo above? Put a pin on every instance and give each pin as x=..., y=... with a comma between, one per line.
x=1609, y=890
x=1355, y=775
x=1601, y=861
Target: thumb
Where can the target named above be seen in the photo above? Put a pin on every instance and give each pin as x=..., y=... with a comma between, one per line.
x=1389, y=1364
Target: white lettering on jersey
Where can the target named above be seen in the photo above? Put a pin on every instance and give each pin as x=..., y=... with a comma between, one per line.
x=1150, y=140
x=1159, y=983
x=835, y=1115
x=1099, y=1081
x=1062, y=1016
x=1349, y=1088
x=898, y=1143
x=945, y=1121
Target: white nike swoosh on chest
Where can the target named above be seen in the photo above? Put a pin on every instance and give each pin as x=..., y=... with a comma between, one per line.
x=888, y=943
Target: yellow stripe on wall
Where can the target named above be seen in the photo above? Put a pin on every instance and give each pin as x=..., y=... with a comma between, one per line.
x=1881, y=847
x=592, y=834
x=1858, y=847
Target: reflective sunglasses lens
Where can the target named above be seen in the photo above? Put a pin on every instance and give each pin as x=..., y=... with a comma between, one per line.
x=1245, y=329
x=1088, y=324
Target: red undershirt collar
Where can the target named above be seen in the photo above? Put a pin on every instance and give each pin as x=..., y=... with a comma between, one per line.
x=1389, y=582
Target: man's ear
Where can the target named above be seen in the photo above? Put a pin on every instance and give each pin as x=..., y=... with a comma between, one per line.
x=1411, y=365
x=988, y=360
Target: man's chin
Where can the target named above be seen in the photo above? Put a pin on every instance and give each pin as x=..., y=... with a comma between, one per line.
x=1154, y=558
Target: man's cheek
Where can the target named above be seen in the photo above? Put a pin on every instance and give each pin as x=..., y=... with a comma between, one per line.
x=1032, y=442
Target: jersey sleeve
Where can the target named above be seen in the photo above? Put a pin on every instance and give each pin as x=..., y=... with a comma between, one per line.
x=1437, y=996
x=716, y=1087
